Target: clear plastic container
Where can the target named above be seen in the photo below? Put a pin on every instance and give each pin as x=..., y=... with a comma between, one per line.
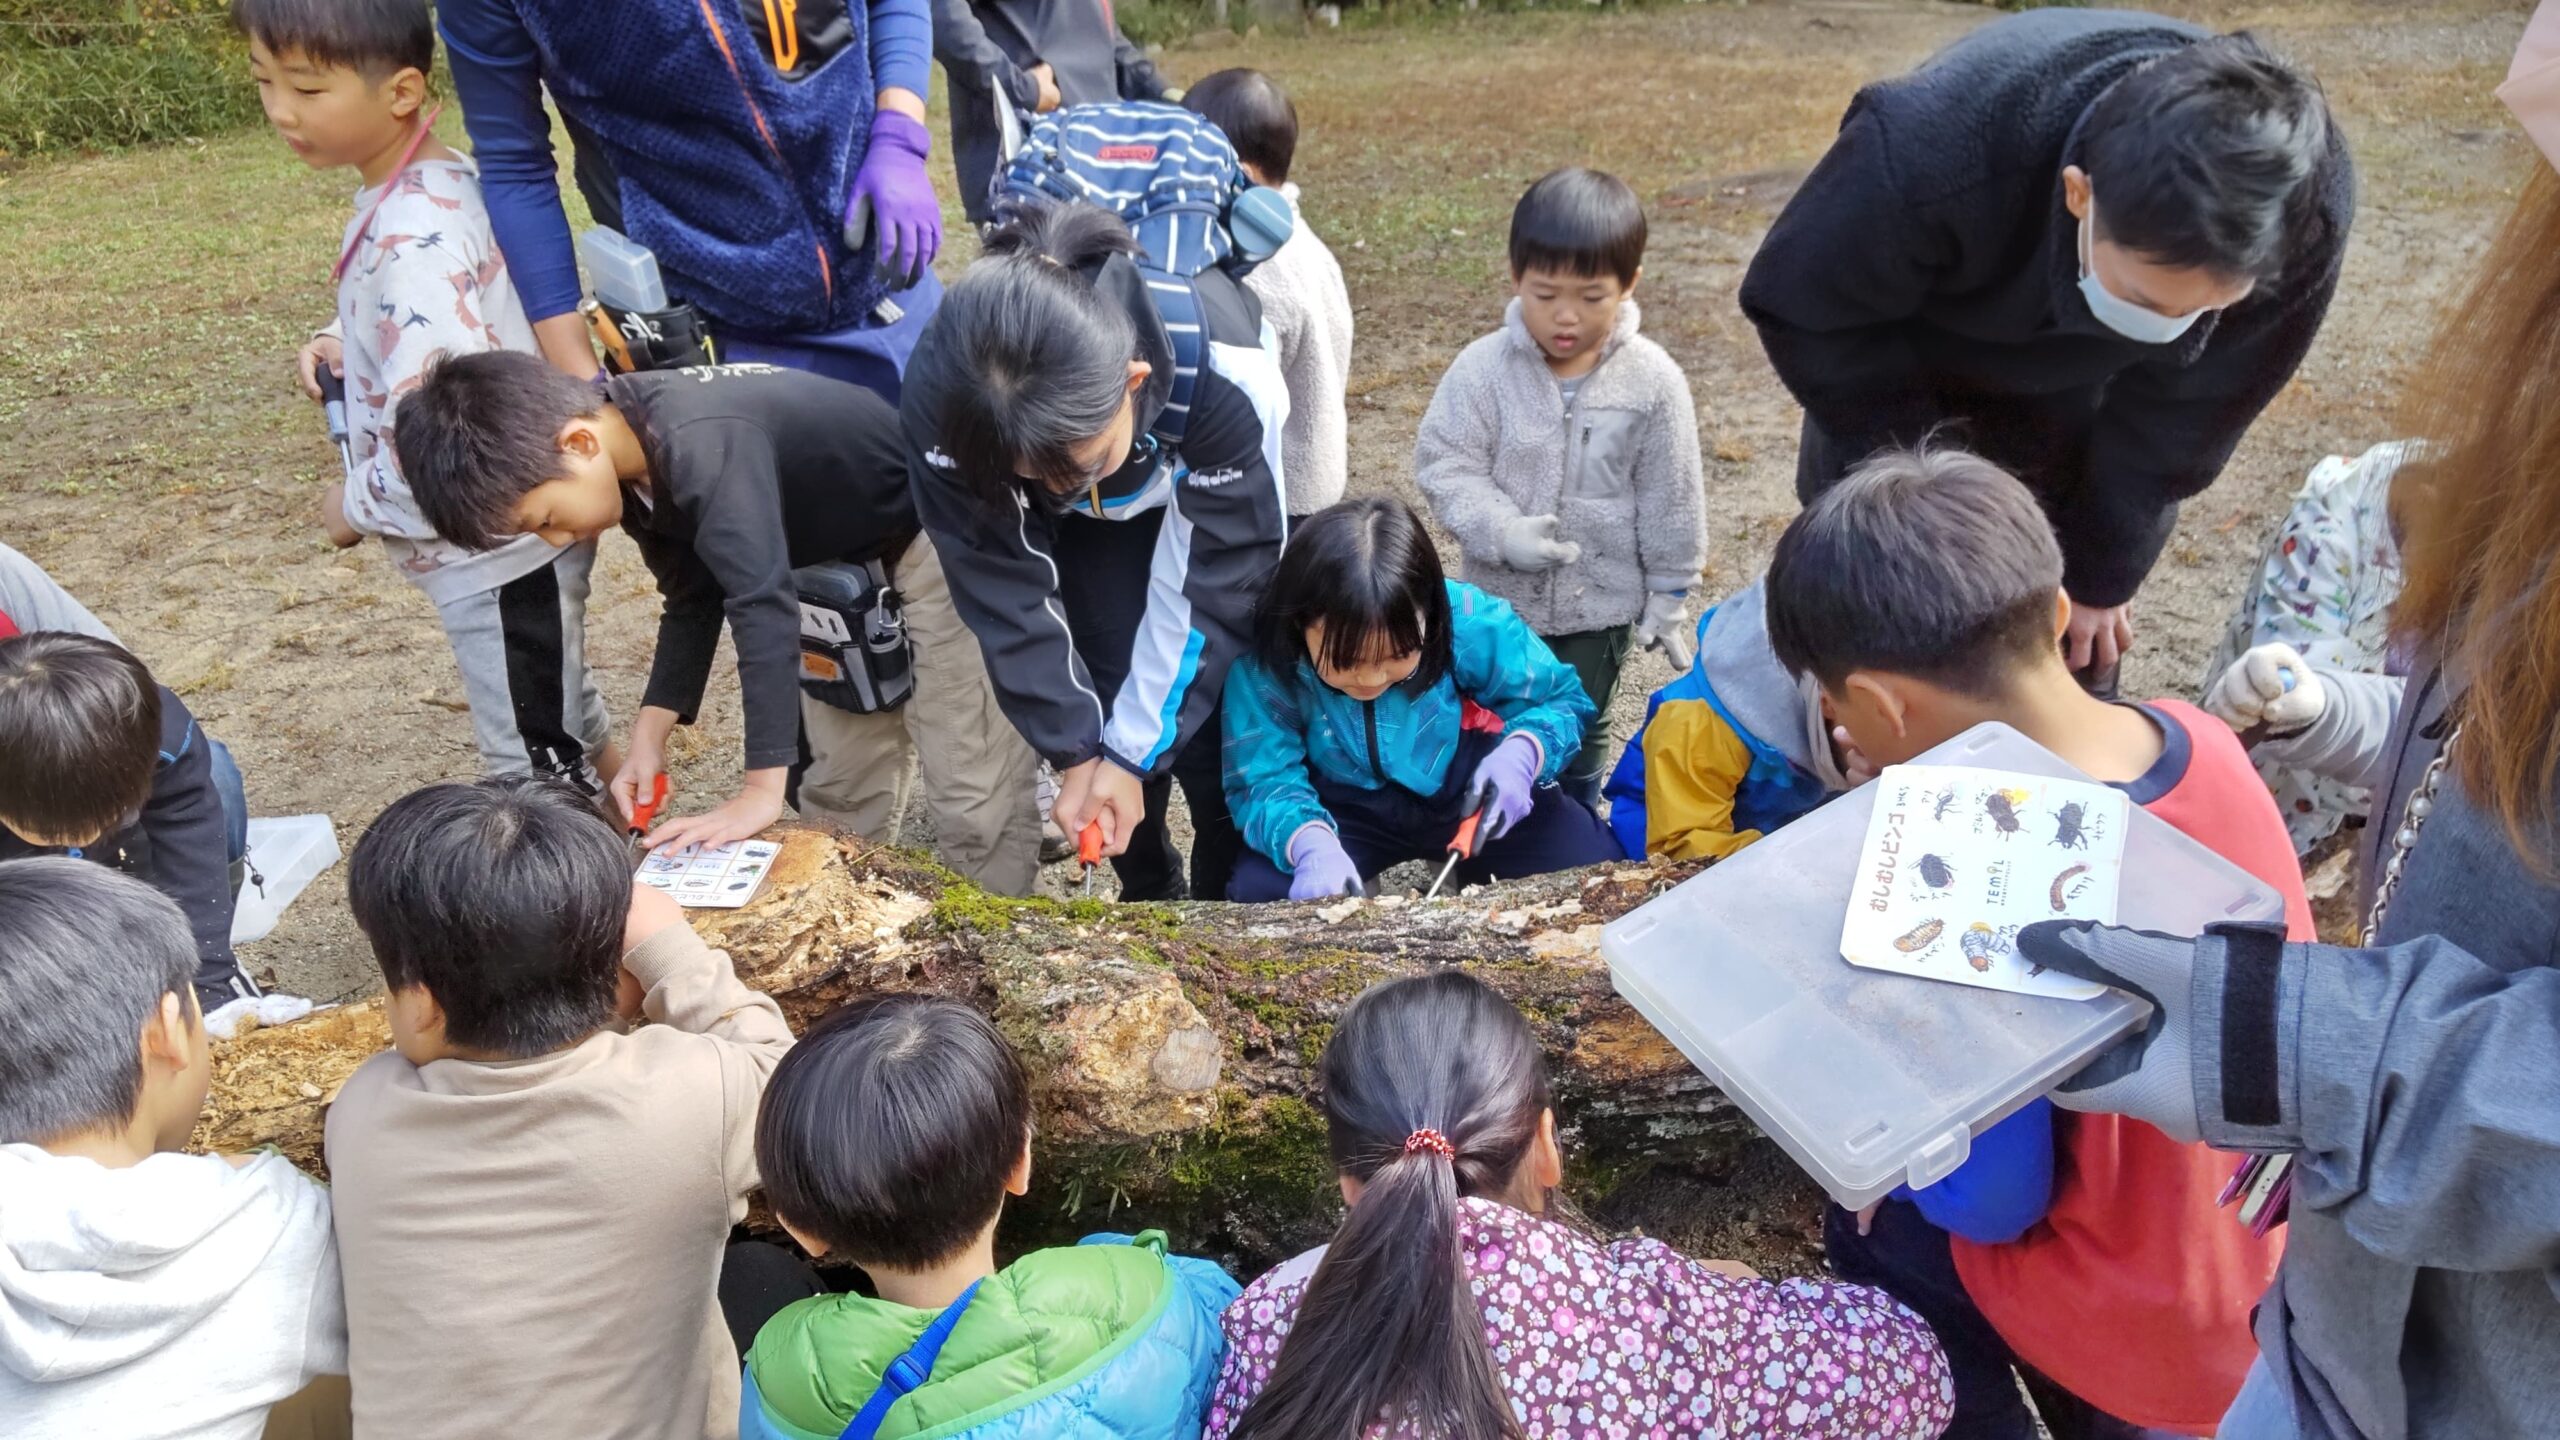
x=1870, y=1079
x=621, y=271
x=285, y=856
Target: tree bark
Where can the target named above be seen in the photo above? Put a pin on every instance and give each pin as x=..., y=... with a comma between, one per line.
x=1173, y=1048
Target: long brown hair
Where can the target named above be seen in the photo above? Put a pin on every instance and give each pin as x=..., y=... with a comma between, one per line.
x=2481, y=507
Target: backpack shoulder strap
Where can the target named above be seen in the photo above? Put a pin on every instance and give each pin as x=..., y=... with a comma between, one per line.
x=1177, y=301
x=909, y=1370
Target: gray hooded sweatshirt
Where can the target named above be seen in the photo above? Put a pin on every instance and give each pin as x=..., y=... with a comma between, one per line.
x=176, y=1299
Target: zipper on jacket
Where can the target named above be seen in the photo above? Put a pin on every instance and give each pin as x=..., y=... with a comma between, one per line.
x=755, y=112
x=1369, y=712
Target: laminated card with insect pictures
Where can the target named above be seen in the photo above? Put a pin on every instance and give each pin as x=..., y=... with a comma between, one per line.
x=1957, y=860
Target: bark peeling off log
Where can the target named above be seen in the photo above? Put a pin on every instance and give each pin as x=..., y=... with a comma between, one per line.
x=1173, y=1047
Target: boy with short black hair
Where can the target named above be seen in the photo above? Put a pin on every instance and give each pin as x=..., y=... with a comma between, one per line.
x=101, y=762
x=345, y=83
x=890, y=1138
x=2090, y=1252
x=143, y=1291
x=532, y=1201
x=1562, y=451
x=1301, y=290
x=729, y=477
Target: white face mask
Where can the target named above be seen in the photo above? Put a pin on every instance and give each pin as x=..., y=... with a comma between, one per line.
x=2127, y=319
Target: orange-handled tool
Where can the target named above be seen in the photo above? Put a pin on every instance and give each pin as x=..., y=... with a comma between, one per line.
x=1461, y=845
x=1089, y=851
x=647, y=810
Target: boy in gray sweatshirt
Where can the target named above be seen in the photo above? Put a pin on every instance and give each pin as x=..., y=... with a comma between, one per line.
x=1562, y=451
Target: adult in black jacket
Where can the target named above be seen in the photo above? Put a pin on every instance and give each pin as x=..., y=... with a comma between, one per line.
x=1110, y=578
x=1033, y=56
x=2094, y=243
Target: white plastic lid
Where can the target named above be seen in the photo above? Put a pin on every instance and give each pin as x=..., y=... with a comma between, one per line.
x=1868, y=1079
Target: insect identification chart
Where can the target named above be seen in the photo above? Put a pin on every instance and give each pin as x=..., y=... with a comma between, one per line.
x=722, y=877
x=1958, y=860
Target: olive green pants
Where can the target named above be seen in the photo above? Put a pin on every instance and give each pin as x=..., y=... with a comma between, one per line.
x=1597, y=656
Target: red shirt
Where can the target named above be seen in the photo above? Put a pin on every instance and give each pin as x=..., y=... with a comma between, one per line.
x=2134, y=1291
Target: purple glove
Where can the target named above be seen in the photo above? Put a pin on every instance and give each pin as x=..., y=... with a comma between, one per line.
x=1501, y=787
x=891, y=194
x=1319, y=867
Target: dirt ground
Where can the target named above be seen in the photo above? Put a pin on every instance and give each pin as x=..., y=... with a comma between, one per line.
x=160, y=464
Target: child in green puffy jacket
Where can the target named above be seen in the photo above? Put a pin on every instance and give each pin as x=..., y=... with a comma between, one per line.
x=890, y=1137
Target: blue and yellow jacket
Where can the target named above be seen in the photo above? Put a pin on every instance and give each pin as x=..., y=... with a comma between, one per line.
x=1284, y=730
x=1729, y=751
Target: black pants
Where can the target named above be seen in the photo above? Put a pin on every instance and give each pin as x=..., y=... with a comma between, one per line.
x=1909, y=1258
x=1380, y=828
x=757, y=1279
x=1103, y=569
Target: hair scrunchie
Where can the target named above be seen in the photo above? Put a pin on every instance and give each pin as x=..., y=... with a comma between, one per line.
x=1432, y=1141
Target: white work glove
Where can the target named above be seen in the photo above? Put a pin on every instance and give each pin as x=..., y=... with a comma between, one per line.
x=2150, y=1074
x=1529, y=543
x=1665, y=626
x=2271, y=685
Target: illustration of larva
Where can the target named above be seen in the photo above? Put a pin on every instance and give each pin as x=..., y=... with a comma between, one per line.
x=1936, y=873
x=2061, y=883
x=1920, y=937
x=1981, y=944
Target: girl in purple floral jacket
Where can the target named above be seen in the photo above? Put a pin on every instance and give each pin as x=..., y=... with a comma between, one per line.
x=1449, y=1306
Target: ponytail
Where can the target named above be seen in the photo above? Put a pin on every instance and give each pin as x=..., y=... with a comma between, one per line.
x=1025, y=360
x=1433, y=1089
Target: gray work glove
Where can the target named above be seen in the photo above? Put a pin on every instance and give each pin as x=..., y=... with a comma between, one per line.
x=1529, y=543
x=2150, y=1074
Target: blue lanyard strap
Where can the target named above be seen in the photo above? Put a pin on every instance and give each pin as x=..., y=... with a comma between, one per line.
x=909, y=1370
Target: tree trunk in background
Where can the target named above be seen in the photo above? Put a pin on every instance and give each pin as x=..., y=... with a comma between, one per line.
x=1172, y=1047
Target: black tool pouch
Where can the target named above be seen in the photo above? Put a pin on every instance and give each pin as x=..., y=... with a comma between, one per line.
x=854, y=652
x=669, y=339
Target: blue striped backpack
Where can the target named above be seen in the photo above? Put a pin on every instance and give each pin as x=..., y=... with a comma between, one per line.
x=1174, y=180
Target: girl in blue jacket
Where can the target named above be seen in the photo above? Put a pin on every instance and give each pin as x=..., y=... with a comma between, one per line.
x=1382, y=705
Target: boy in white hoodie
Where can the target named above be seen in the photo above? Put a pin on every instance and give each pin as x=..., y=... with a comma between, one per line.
x=144, y=1294
x=1562, y=451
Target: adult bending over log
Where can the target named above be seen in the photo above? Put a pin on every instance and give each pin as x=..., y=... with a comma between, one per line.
x=2097, y=243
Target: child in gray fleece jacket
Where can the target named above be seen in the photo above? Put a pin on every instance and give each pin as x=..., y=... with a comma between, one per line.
x=1562, y=451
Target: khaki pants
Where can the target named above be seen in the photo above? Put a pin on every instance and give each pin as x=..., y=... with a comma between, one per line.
x=978, y=774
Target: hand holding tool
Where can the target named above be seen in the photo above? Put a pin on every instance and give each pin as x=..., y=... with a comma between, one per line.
x=1089, y=852
x=1461, y=845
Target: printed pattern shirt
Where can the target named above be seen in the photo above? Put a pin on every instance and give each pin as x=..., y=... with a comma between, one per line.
x=1633, y=1341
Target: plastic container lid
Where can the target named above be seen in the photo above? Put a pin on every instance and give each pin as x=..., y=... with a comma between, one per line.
x=1868, y=1079
x=621, y=271
x=285, y=856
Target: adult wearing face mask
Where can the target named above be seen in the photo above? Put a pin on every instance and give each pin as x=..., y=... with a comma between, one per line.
x=2094, y=243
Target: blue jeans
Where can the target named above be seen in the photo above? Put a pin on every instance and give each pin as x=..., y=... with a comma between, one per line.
x=2263, y=1410
x=235, y=799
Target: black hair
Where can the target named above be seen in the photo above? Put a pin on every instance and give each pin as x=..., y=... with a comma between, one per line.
x=1257, y=116
x=479, y=433
x=1366, y=570
x=86, y=956
x=888, y=1131
x=506, y=899
x=377, y=38
x=2208, y=157
x=1025, y=359
x=1578, y=222
x=1388, y=1324
x=1931, y=562
x=79, y=736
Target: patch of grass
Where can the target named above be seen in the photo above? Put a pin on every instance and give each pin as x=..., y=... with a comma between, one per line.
x=99, y=74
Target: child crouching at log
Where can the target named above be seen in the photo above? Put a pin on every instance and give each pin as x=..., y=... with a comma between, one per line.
x=1382, y=706
x=889, y=1139
x=1436, y=1105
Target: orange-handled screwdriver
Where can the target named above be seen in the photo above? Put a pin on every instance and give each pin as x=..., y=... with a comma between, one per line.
x=647, y=810
x=1089, y=850
x=1461, y=845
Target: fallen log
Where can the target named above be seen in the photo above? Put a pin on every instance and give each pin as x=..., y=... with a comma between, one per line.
x=1173, y=1047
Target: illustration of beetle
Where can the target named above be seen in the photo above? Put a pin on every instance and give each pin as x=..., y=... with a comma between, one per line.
x=2066, y=827
x=1920, y=937
x=1936, y=873
x=1982, y=944
x=2002, y=807
x=2062, y=882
